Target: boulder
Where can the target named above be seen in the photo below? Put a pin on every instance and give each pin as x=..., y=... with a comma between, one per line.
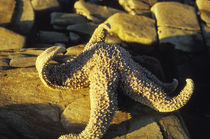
x=206, y=34
x=7, y=8
x=93, y=12
x=132, y=28
x=176, y=15
x=74, y=38
x=52, y=37
x=184, y=40
x=10, y=39
x=204, y=9
x=82, y=28
x=64, y=19
x=137, y=7
x=40, y=5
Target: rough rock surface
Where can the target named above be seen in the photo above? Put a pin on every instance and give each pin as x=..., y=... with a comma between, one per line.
x=137, y=7
x=6, y=11
x=44, y=5
x=100, y=13
x=178, y=25
x=132, y=28
x=10, y=39
x=204, y=8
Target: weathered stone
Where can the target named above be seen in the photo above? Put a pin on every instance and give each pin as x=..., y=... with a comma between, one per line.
x=83, y=28
x=75, y=50
x=184, y=40
x=10, y=39
x=53, y=37
x=74, y=37
x=173, y=129
x=24, y=20
x=22, y=61
x=175, y=14
x=64, y=19
x=44, y=4
x=4, y=63
x=137, y=7
x=204, y=9
x=6, y=11
x=94, y=12
x=132, y=28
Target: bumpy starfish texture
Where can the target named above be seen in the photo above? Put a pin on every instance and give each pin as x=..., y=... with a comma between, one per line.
x=104, y=68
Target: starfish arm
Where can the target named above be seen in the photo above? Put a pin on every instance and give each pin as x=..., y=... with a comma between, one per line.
x=99, y=35
x=103, y=105
x=56, y=76
x=148, y=93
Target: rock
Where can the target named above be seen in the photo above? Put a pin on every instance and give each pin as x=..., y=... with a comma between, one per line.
x=6, y=10
x=75, y=50
x=171, y=124
x=24, y=17
x=39, y=5
x=126, y=125
x=137, y=7
x=74, y=37
x=184, y=40
x=176, y=15
x=132, y=28
x=10, y=39
x=22, y=61
x=53, y=37
x=94, y=12
x=83, y=28
x=204, y=9
x=4, y=63
x=64, y=19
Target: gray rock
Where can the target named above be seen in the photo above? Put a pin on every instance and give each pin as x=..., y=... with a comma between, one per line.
x=184, y=40
x=39, y=5
x=176, y=15
x=64, y=19
x=6, y=10
x=52, y=37
x=132, y=28
x=204, y=9
x=83, y=28
x=94, y=12
x=74, y=37
x=10, y=39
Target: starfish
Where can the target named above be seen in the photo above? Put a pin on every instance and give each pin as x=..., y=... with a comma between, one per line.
x=104, y=67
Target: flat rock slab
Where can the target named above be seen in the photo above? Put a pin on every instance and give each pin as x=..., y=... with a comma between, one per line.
x=204, y=9
x=52, y=37
x=175, y=14
x=137, y=7
x=94, y=12
x=64, y=19
x=82, y=28
x=10, y=39
x=6, y=11
x=39, y=5
x=184, y=40
x=132, y=28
